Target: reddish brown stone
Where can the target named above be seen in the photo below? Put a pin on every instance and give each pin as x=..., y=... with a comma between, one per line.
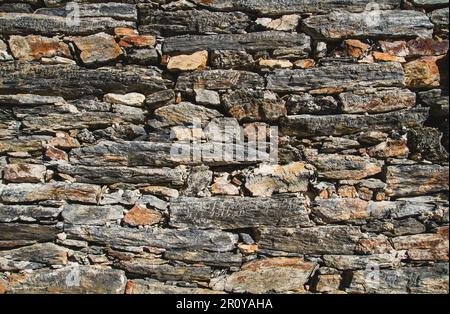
x=140, y=41
x=64, y=142
x=54, y=153
x=390, y=148
x=427, y=47
x=386, y=57
x=141, y=216
x=98, y=48
x=125, y=31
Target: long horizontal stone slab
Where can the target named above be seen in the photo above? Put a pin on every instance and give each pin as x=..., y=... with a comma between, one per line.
x=413, y=180
x=190, y=21
x=58, y=191
x=139, y=286
x=337, y=77
x=418, y=280
x=111, y=175
x=217, y=259
x=71, y=81
x=251, y=42
x=238, y=212
x=165, y=272
x=344, y=124
x=315, y=240
x=27, y=232
x=91, y=215
x=25, y=23
x=136, y=154
x=118, y=11
x=378, y=24
x=29, y=99
x=28, y=213
x=219, y=79
x=209, y=240
x=69, y=280
x=276, y=7
x=83, y=120
x=32, y=257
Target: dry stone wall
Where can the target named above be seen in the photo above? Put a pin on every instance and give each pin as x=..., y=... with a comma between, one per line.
x=100, y=101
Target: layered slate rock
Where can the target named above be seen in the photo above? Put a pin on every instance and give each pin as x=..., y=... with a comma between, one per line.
x=412, y=180
x=377, y=101
x=341, y=167
x=33, y=257
x=59, y=191
x=71, y=279
x=335, y=78
x=425, y=279
x=224, y=146
x=23, y=23
x=272, y=7
x=190, y=21
x=252, y=42
x=337, y=125
x=74, y=80
x=219, y=79
x=385, y=24
x=275, y=275
x=237, y=212
x=216, y=241
x=332, y=239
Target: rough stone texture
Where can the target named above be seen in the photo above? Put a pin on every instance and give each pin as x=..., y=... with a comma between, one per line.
x=224, y=146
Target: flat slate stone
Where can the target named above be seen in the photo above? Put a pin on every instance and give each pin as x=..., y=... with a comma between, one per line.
x=332, y=79
x=237, y=212
x=252, y=42
x=209, y=240
x=381, y=24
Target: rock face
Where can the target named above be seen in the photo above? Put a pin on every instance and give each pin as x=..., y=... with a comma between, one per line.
x=224, y=146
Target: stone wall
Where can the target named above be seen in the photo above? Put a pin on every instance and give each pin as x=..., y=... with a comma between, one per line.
x=97, y=101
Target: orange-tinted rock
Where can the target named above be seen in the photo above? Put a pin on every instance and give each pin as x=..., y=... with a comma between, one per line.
x=425, y=247
x=125, y=31
x=275, y=64
x=64, y=142
x=328, y=283
x=356, y=48
x=141, y=216
x=397, y=48
x=379, y=244
x=98, y=48
x=427, y=47
x=21, y=173
x=305, y=63
x=341, y=209
x=423, y=72
x=347, y=191
x=248, y=249
x=140, y=41
x=33, y=47
x=386, y=57
x=54, y=153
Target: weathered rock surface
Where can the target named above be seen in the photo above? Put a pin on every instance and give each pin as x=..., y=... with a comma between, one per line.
x=341, y=210
x=377, y=101
x=425, y=279
x=341, y=167
x=23, y=23
x=155, y=287
x=337, y=125
x=215, y=241
x=412, y=180
x=71, y=279
x=315, y=240
x=237, y=212
x=332, y=79
x=291, y=6
x=386, y=24
x=274, y=275
x=91, y=215
x=251, y=42
x=27, y=192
